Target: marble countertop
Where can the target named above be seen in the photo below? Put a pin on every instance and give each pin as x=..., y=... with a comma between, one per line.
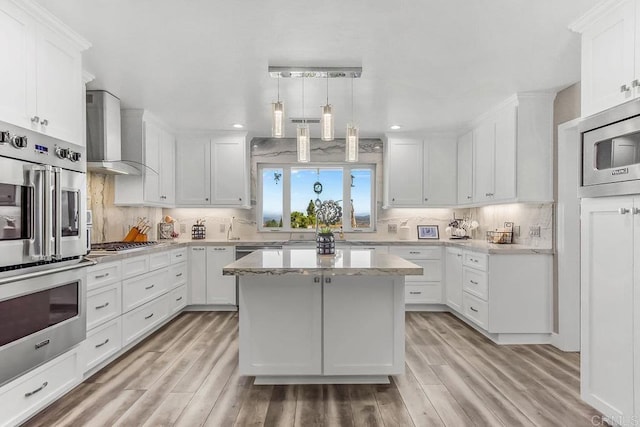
x=346, y=262
x=474, y=245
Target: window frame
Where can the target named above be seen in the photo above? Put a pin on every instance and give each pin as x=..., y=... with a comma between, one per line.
x=286, y=195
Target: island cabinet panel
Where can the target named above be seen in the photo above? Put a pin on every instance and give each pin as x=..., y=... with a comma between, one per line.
x=280, y=325
x=363, y=325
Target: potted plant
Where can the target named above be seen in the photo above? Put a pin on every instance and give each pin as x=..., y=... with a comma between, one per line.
x=328, y=213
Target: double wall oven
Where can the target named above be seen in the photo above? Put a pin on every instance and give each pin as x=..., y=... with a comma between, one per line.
x=42, y=244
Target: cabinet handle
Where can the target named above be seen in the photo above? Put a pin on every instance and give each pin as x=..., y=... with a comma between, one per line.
x=459, y=255
x=149, y=287
x=206, y=199
x=316, y=280
x=42, y=344
x=327, y=280
x=414, y=252
x=473, y=309
x=240, y=198
x=414, y=293
x=198, y=249
x=45, y=122
x=179, y=275
x=635, y=211
x=635, y=83
x=426, y=199
x=393, y=200
x=179, y=299
x=623, y=211
x=35, y=119
x=101, y=276
x=469, y=197
x=475, y=283
x=103, y=343
x=624, y=88
x=179, y=256
x=149, y=316
x=106, y=304
x=31, y=393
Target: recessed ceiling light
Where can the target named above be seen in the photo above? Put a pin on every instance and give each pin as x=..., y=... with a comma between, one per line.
x=395, y=127
x=238, y=126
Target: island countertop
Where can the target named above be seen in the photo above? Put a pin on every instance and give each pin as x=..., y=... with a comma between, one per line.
x=346, y=262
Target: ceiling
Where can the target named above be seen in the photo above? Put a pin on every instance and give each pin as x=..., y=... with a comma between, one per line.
x=427, y=65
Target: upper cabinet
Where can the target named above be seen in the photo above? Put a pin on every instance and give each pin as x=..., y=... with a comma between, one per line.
x=150, y=145
x=42, y=87
x=610, y=63
x=212, y=170
x=420, y=173
x=507, y=156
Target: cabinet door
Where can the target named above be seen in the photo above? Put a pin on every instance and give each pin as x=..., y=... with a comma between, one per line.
x=483, y=161
x=505, y=154
x=220, y=289
x=607, y=252
x=17, y=103
x=465, y=168
x=152, y=145
x=363, y=325
x=198, y=275
x=439, y=174
x=167, y=168
x=453, y=265
x=59, y=87
x=193, y=171
x=608, y=58
x=228, y=160
x=404, y=161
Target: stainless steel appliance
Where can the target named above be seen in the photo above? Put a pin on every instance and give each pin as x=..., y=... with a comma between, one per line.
x=42, y=199
x=118, y=247
x=42, y=315
x=611, y=152
x=89, y=229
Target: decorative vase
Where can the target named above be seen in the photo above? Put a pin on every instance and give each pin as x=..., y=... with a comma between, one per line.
x=325, y=244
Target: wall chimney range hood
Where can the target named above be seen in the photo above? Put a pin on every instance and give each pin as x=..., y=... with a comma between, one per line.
x=103, y=135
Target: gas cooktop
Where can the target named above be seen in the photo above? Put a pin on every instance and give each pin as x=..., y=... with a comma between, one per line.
x=117, y=247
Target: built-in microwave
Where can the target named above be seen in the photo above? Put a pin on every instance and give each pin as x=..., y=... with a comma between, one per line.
x=611, y=152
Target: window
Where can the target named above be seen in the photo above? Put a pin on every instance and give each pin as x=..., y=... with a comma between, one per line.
x=288, y=201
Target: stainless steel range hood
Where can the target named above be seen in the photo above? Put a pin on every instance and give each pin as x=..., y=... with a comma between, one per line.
x=103, y=135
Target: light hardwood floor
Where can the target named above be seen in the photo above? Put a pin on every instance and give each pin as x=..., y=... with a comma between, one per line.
x=186, y=375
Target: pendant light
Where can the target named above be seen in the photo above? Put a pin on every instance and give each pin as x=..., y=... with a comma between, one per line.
x=352, y=137
x=326, y=121
x=303, y=137
x=277, y=116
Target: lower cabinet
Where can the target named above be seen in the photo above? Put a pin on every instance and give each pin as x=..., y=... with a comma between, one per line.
x=102, y=343
x=207, y=284
x=33, y=391
x=141, y=320
x=427, y=288
x=453, y=278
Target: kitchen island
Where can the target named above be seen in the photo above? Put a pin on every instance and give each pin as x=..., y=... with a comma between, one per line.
x=309, y=319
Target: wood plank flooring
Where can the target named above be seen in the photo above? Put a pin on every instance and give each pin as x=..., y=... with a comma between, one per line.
x=186, y=375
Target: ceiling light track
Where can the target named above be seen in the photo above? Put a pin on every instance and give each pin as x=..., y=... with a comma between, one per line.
x=315, y=72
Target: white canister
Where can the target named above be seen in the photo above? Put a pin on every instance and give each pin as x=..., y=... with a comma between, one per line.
x=404, y=232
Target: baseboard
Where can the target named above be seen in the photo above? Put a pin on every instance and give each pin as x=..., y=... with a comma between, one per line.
x=558, y=341
x=426, y=307
x=212, y=307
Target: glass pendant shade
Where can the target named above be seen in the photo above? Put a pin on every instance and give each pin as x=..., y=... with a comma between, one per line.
x=326, y=123
x=277, y=119
x=303, y=143
x=352, y=143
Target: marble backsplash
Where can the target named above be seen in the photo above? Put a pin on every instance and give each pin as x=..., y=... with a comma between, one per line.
x=112, y=222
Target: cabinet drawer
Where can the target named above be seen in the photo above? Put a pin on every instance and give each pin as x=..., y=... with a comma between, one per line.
x=431, y=271
x=178, y=299
x=178, y=255
x=476, y=260
x=159, y=260
x=138, y=322
x=428, y=293
x=416, y=252
x=24, y=396
x=103, y=304
x=177, y=275
x=135, y=266
x=101, y=343
x=103, y=274
x=475, y=282
x=475, y=310
x=139, y=290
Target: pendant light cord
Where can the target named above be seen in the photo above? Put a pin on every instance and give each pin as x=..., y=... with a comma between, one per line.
x=303, y=119
x=327, y=88
x=278, y=89
x=352, y=100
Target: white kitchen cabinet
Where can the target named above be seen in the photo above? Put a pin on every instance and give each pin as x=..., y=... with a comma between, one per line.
x=220, y=289
x=512, y=152
x=426, y=288
x=42, y=89
x=610, y=335
x=198, y=275
x=465, y=169
x=150, y=145
x=138, y=322
x=420, y=173
x=610, y=63
x=212, y=170
x=453, y=278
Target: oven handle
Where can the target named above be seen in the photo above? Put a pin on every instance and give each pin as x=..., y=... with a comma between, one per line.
x=81, y=264
x=57, y=216
x=37, y=177
x=48, y=214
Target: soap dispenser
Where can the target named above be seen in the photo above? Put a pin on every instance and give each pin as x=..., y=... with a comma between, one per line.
x=403, y=231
